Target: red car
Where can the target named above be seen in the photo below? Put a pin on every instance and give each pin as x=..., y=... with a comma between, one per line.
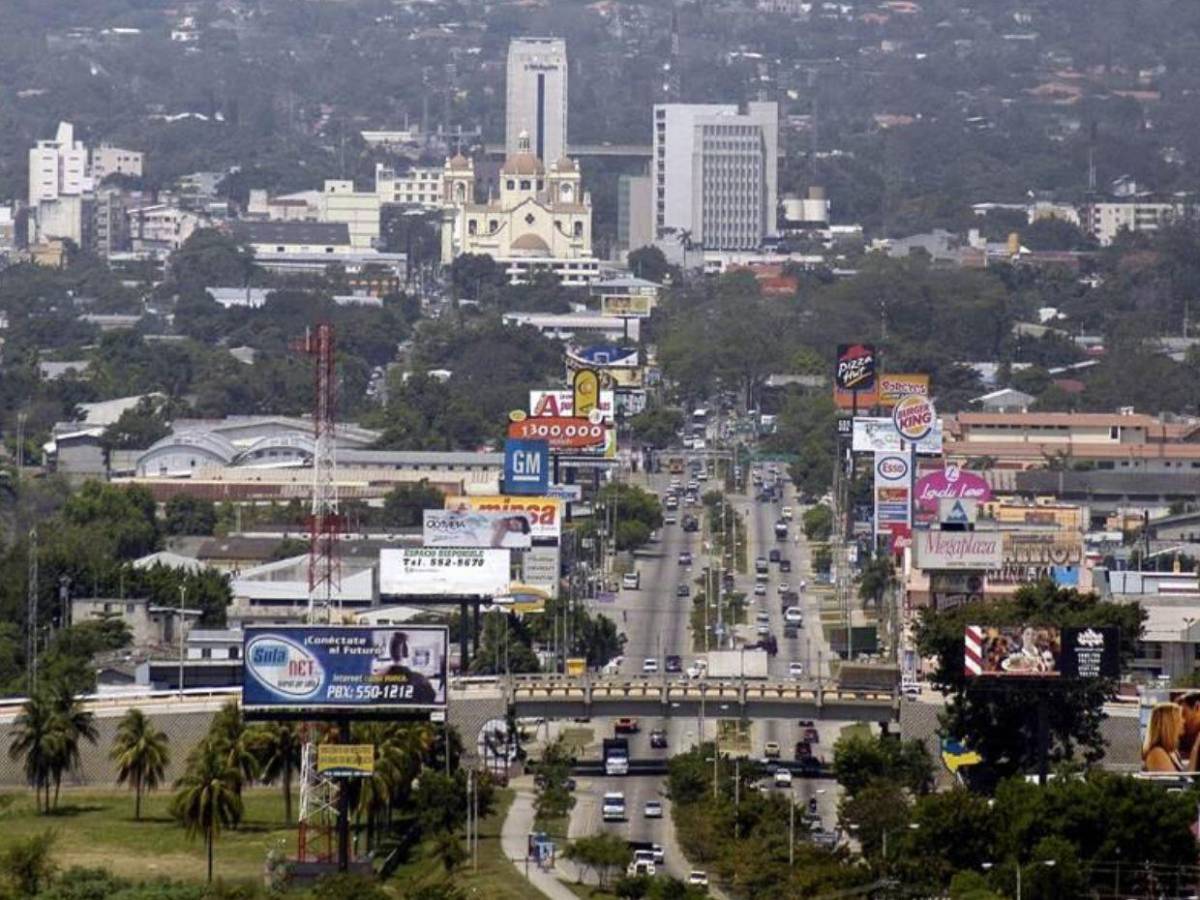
x=626, y=726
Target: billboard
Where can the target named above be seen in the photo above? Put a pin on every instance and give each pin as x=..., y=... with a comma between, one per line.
x=561, y=404
x=545, y=513
x=526, y=467
x=980, y=550
x=914, y=418
x=346, y=760
x=855, y=367
x=949, y=590
x=540, y=568
x=1091, y=652
x=1062, y=548
x=877, y=434
x=626, y=306
x=561, y=433
x=443, y=572
x=477, y=528
x=894, y=388
x=331, y=668
x=1169, y=724
x=585, y=388
x=952, y=483
x=1021, y=651
x=893, y=501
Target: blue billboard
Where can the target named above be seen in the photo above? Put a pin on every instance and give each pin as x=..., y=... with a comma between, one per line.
x=344, y=669
x=526, y=466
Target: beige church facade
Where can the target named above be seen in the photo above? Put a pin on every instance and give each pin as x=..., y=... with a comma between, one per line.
x=541, y=220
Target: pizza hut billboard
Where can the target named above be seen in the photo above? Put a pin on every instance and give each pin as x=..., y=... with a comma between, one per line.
x=855, y=367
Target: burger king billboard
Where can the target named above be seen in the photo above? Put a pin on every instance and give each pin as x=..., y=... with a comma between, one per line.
x=914, y=418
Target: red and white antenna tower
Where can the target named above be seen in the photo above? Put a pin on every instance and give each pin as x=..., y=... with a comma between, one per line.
x=324, y=522
x=318, y=793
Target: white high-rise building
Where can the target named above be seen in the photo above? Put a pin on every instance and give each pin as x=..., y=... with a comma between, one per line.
x=58, y=167
x=715, y=173
x=537, y=98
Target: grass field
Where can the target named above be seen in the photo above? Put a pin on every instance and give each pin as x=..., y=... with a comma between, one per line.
x=95, y=828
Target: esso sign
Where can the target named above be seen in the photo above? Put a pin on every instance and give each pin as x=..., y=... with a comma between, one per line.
x=892, y=468
x=914, y=417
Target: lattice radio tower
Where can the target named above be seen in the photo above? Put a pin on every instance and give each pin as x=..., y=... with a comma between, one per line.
x=318, y=793
x=324, y=522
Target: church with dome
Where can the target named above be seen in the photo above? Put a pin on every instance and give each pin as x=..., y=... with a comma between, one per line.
x=541, y=220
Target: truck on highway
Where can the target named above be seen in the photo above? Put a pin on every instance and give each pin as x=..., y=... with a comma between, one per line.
x=737, y=663
x=616, y=756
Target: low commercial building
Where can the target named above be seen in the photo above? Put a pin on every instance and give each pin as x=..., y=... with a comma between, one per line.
x=581, y=327
x=1123, y=441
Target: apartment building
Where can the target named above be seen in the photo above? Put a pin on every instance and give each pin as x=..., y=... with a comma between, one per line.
x=420, y=186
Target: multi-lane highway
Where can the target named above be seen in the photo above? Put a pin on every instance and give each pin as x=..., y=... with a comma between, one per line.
x=655, y=622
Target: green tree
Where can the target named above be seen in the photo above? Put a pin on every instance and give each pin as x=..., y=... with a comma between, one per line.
x=970, y=885
x=656, y=427
x=186, y=514
x=210, y=258
x=404, y=506
x=878, y=576
x=73, y=724
x=120, y=517
x=137, y=428
x=230, y=737
x=554, y=800
x=208, y=797
x=278, y=747
x=861, y=759
x=36, y=743
x=605, y=854
x=141, y=754
x=475, y=276
x=649, y=263
x=818, y=523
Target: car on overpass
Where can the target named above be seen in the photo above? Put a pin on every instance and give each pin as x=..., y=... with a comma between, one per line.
x=658, y=739
x=674, y=663
x=625, y=725
x=649, y=666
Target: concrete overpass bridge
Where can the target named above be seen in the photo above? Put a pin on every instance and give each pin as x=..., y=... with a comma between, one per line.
x=557, y=696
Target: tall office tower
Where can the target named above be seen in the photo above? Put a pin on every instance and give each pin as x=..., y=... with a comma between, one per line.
x=537, y=98
x=715, y=173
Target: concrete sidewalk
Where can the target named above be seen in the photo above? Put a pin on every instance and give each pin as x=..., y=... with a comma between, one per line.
x=514, y=839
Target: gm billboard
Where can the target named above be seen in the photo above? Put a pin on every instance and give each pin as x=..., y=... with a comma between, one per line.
x=344, y=669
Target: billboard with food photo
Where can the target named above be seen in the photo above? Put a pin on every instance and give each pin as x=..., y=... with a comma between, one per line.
x=1012, y=651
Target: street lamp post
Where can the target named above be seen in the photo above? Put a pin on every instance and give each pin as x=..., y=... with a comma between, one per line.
x=182, y=620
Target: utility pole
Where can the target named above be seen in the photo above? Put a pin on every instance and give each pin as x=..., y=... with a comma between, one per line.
x=182, y=620
x=31, y=612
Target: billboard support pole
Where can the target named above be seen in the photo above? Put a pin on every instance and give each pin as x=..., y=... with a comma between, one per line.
x=463, y=654
x=1043, y=724
x=343, y=805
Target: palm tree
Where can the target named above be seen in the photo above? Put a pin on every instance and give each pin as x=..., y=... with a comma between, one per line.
x=278, y=747
x=229, y=735
x=36, y=741
x=209, y=796
x=140, y=752
x=74, y=724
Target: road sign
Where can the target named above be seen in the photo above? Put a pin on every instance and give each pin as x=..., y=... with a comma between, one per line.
x=526, y=466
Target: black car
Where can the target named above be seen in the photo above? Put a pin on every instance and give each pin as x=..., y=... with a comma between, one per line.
x=674, y=663
x=658, y=739
x=774, y=556
x=683, y=591
x=790, y=630
x=785, y=565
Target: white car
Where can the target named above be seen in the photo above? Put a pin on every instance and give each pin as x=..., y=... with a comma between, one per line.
x=793, y=615
x=653, y=809
x=670, y=519
x=783, y=587
x=760, y=589
x=783, y=778
x=694, y=671
x=698, y=878
x=795, y=670
x=649, y=666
